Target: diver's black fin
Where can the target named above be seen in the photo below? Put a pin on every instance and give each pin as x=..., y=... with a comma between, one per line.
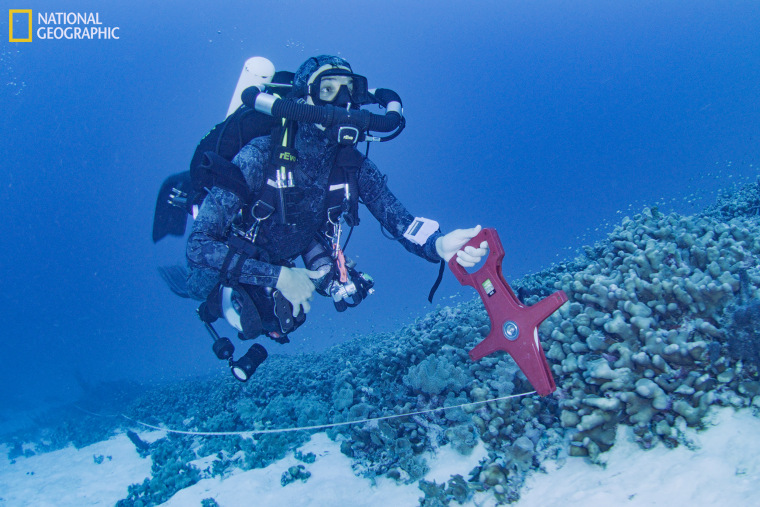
x=172, y=218
x=176, y=278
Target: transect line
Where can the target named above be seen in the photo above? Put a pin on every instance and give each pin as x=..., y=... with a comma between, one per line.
x=321, y=426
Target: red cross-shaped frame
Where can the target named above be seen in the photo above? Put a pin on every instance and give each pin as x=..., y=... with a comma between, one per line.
x=514, y=326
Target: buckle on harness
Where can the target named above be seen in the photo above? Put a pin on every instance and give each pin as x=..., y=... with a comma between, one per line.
x=267, y=208
x=348, y=136
x=260, y=211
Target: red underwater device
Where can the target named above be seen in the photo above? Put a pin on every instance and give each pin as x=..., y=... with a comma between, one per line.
x=514, y=326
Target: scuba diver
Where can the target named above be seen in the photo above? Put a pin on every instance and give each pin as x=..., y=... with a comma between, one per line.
x=288, y=195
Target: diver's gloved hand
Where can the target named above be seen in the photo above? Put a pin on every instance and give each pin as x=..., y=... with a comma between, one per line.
x=297, y=287
x=450, y=244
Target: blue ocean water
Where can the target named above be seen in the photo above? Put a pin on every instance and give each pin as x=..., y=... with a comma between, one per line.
x=548, y=120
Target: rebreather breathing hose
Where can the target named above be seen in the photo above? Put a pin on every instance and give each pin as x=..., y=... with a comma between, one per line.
x=250, y=433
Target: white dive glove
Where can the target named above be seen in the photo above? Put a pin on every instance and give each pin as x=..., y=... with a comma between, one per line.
x=296, y=286
x=450, y=244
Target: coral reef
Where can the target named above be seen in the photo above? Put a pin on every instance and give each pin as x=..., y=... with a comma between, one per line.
x=644, y=338
x=662, y=322
x=295, y=473
x=456, y=489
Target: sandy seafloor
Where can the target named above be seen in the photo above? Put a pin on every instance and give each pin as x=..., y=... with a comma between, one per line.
x=721, y=466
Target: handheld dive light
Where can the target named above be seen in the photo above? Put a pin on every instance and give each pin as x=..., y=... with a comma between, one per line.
x=243, y=368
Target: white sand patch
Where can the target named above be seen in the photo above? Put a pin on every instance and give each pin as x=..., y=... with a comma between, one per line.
x=71, y=476
x=723, y=470
x=449, y=462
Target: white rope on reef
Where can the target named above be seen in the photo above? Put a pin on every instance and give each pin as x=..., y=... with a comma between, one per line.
x=320, y=426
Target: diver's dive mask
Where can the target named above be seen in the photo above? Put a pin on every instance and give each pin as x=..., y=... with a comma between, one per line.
x=339, y=87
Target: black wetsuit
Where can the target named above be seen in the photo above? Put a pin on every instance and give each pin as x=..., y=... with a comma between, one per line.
x=280, y=245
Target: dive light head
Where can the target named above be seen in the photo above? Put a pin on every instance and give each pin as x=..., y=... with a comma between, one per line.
x=243, y=368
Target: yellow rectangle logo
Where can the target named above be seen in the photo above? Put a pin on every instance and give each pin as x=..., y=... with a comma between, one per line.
x=11, y=12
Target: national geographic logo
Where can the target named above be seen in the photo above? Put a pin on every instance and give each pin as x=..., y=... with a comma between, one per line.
x=58, y=26
x=20, y=15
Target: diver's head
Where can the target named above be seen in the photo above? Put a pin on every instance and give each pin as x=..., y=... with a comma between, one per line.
x=329, y=80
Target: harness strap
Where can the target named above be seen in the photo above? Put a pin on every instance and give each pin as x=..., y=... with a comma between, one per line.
x=283, y=139
x=344, y=176
x=279, y=189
